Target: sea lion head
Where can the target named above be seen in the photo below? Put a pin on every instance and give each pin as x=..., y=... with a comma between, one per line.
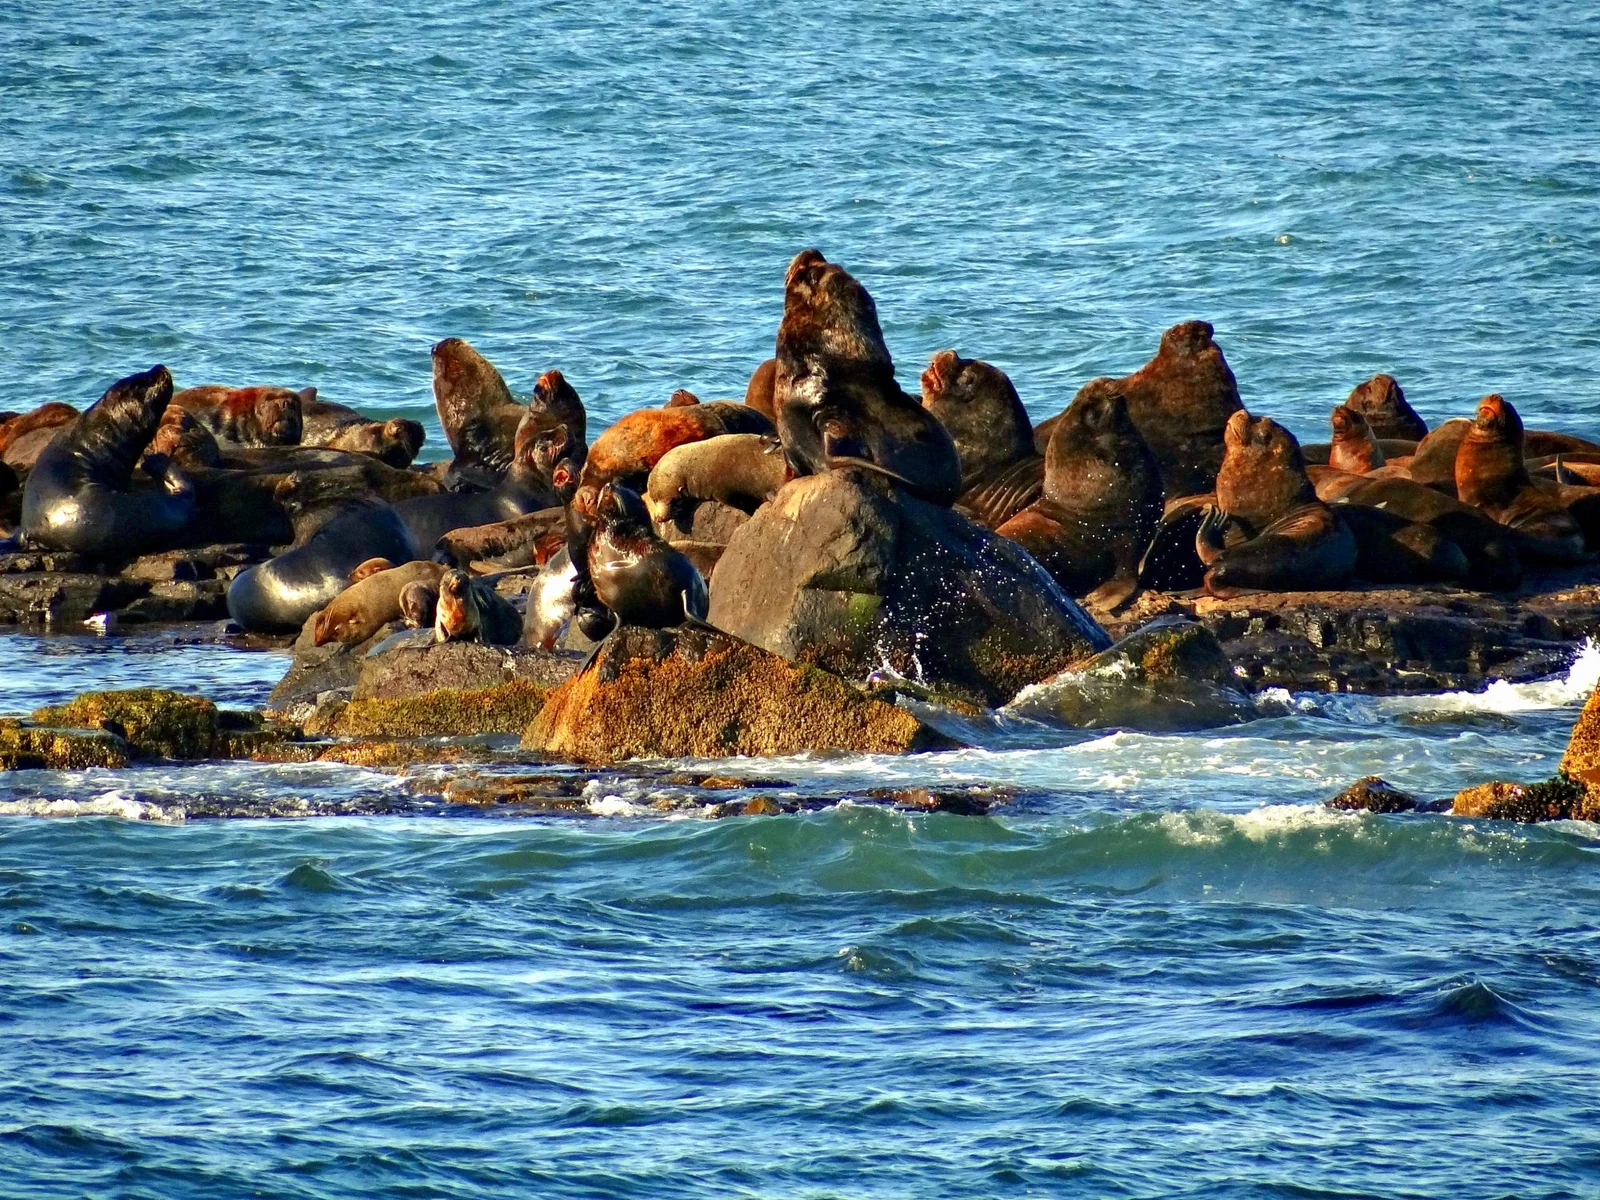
x=560, y=402
x=279, y=418
x=1188, y=339
x=456, y=611
x=1353, y=448
x=621, y=512
x=682, y=398
x=1382, y=401
x=1497, y=421
x=114, y=431
x=558, y=458
x=1263, y=473
x=828, y=317
x=419, y=603
x=1348, y=423
x=977, y=403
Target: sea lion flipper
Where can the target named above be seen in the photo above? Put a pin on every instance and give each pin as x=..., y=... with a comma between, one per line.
x=1209, y=538
x=1114, y=594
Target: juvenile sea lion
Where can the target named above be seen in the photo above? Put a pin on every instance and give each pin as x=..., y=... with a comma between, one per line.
x=1001, y=473
x=550, y=603
x=758, y=392
x=1382, y=402
x=1492, y=475
x=81, y=494
x=1101, y=501
x=1269, y=531
x=248, y=416
x=419, y=604
x=24, y=437
x=636, y=574
x=1353, y=448
x=837, y=400
x=335, y=534
x=370, y=603
x=738, y=469
x=470, y=610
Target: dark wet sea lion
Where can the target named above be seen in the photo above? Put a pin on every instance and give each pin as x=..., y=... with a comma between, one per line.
x=333, y=538
x=476, y=409
x=523, y=490
x=396, y=441
x=1101, y=501
x=1391, y=549
x=1382, y=402
x=738, y=469
x=1001, y=473
x=1269, y=530
x=837, y=400
x=81, y=493
x=518, y=542
x=185, y=441
x=419, y=604
x=1492, y=560
x=758, y=392
x=1491, y=474
x=1353, y=448
x=470, y=610
x=1434, y=462
x=369, y=603
x=248, y=416
x=637, y=576
x=24, y=437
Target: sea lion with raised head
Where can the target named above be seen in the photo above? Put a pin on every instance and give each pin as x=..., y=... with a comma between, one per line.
x=470, y=610
x=81, y=494
x=1382, y=401
x=247, y=416
x=1353, y=448
x=419, y=604
x=1001, y=472
x=1101, y=499
x=370, y=603
x=835, y=392
x=639, y=578
x=1269, y=531
x=1491, y=474
x=476, y=409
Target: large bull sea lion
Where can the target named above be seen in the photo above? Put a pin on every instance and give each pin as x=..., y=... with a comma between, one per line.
x=248, y=416
x=1001, y=472
x=1382, y=402
x=81, y=493
x=1491, y=474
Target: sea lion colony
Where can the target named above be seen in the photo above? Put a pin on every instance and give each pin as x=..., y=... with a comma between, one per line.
x=1159, y=479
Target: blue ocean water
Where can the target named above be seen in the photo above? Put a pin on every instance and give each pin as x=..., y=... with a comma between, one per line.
x=1165, y=971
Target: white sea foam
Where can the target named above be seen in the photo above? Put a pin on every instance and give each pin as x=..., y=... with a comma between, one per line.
x=107, y=804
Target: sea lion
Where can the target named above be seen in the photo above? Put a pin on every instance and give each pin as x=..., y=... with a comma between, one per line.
x=248, y=416
x=639, y=578
x=81, y=494
x=476, y=409
x=395, y=441
x=1181, y=402
x=1492, y=475
x=1541, y=443
x=24, y=437
x=837, y=400
x=1434, y=462
x=1382, y=402
x=550, y=603
x=524, y=489
x=369, y=603
x=371, y=567
x=419, y=604
x=682, y=398
x=1001, y=473
x=183, y=440
x=1353, y=448
x=334, y=534
x=532, y=538
x=742, y=470
x=470, y=610
x=758, y=393
x=1101, y=501
x=1269, y=531
x=1492, y=560
x=555, y=402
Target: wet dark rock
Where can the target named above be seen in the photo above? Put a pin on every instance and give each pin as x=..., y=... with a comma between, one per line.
x=62, y=598
x=1374, y=795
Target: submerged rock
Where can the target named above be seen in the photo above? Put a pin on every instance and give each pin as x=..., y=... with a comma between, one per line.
x=26, y=746
x=1375, y=795
x=155, y=722
x=698, y=693
x=846, y=571
x=1169, y=675
x=1560, y=798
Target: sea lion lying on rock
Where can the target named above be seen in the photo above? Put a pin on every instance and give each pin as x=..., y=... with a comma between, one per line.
x=1492, y=475
x=518, y=542
x=1382, y=402
x=639, y=578
x=81, y=494
x=23, y=438
x=470, y=610
x=837, y=400
x=524, y=489
x=742, y=470
x=1001, y=473
x=370, y=603
x=183, y=440
x=1101, y=502
x=1269, y=531
x=370, y=568
x=248, y=416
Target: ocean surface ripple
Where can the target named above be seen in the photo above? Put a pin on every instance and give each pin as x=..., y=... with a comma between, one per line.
x=1164, y=971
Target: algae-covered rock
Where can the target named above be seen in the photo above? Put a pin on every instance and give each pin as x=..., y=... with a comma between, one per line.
x=1559, y=798
x=24, y=746
x=445, y=712
x=1375, y=795
x=156, y=723
x=1170, y=675
x=465, y=666
x=699, y=693
x=1582, y=758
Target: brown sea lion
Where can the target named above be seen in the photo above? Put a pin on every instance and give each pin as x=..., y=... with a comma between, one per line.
x=556, y=402
x=1492, y=561
x=23, y=437
x=419, y=604
x=396, y=441
x=247, y=416
x=1181, y=401
x=1382, y=402
x=1353, y=448
x=758, y=392
x=1101, y=501
x=476, y=409
x=630, y=448
x=1269, y=531
x=639, y=578
x=82, y=494
x=1001, y=473
x=532, y=538
x=1492, y=475
x=523, y=489
x=738, y=469
x=370, y=568
x=185, y=441
x=837, y=400
x=1541, y=443
x=682, y=398
x=1434, y=462
x=370, y=603
x=470, y=610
